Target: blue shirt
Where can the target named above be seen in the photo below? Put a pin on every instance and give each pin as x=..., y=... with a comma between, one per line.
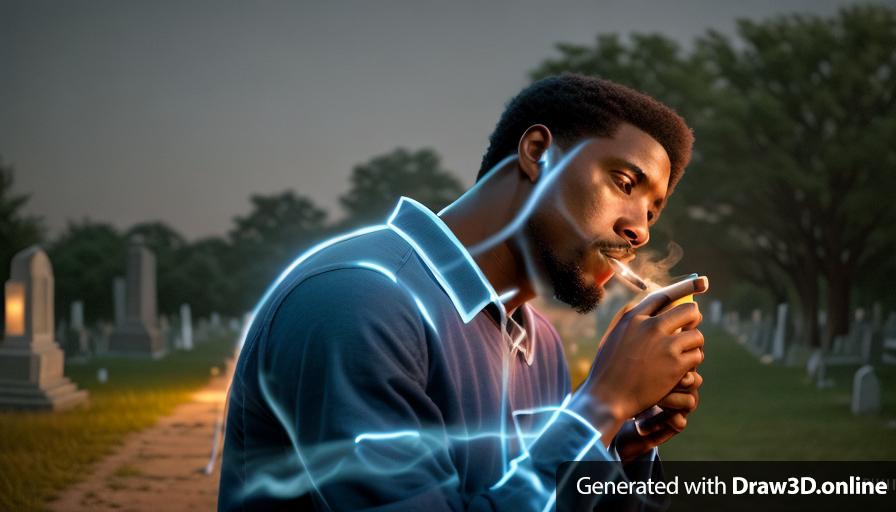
x=381, y=371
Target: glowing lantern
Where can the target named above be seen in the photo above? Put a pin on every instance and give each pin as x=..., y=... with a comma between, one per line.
x=15, y=309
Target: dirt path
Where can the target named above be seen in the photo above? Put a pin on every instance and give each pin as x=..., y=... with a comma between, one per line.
x=160, y=468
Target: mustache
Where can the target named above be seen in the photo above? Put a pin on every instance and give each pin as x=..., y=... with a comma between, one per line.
x=614, y=247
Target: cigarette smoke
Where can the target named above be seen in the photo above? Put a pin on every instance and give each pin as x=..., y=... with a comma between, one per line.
x=654, y=267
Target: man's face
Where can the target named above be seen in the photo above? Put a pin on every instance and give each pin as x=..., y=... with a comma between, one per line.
x=601, y=205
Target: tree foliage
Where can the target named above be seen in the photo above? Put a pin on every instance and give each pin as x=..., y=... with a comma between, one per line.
x=378, y=184
x=87, y=256
x=794, y=121
x=277, y=229
x=17, y=230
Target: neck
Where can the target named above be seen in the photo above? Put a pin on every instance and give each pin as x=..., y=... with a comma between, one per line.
x=477, y=219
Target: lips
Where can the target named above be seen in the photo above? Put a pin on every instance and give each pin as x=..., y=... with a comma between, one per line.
x=623, y=255
x=602, y=271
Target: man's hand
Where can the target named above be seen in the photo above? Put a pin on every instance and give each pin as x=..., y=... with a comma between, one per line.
x=642, y=358
x=632, y=442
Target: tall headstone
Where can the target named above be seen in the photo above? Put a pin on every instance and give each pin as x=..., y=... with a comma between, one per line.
x=715, y=312
x=778, y=342
x=77, y=315
x=31, y=362
x=865, y=391
x=186, y=327
x=139, y=335
x=119, y=296
x=76, y=336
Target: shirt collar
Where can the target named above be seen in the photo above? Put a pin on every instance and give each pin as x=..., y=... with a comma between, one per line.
x=444, y=255
x=456, y=272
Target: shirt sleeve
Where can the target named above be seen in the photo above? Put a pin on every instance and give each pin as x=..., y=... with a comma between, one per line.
x=344, y=368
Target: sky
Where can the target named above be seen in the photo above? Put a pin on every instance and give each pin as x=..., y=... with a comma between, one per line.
x=121, y=111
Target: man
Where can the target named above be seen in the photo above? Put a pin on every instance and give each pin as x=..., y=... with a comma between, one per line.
x=400, y=367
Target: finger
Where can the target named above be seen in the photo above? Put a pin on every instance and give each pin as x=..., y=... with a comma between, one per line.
x=692, y=358
x=691, y=381
x=687, y=381
x=667, y=423
x=656, y=300
x=677, y=421
x=651, y=425
x=679, y=401
x=683, y=316
x=687, y=341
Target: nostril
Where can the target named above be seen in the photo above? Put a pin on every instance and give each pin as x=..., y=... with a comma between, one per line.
x=631, y=235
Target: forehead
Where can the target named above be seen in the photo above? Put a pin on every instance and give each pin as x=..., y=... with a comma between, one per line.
x=633, y=147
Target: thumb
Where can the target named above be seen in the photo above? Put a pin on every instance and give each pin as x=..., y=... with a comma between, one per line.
x=658, y=299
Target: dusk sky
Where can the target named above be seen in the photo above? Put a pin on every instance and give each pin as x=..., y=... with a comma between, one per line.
x=123, y=111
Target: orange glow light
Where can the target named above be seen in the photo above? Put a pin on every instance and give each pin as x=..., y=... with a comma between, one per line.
x=15, y=309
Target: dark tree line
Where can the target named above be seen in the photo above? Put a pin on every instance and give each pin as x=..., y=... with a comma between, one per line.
x=226, y=274
x=790, y=186
x=787, y=197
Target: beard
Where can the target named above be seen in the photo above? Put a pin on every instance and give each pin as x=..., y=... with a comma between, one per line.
x=566, y=277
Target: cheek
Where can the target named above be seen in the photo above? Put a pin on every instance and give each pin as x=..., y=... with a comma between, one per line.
x=588, y=202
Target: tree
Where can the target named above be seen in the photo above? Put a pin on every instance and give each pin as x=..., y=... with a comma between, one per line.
x=804, y=139
x=206, y=278
x=279, y=227
x=794, y=121
x=87, y=257
x=378, y=184
x=17, y=230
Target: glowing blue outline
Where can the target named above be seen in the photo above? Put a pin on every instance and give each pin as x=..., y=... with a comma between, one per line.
x=425, y=313
x=509, y=294
x=378, y=268
x=466, y=315
x=309, y=253
x=386, y=435
x=549, y=175
x=281, y=416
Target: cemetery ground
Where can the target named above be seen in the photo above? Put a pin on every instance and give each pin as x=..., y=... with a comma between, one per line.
x=44, y=453
x=748, y=411
x=754, y=411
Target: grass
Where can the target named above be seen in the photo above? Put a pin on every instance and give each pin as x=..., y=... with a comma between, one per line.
x=42, y=453
x=751, y=411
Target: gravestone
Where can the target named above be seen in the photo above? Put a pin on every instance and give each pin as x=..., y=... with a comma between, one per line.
x=715, y=312
x=77, y=339
x=165, y=330
x=186, y=327
x=778, y=341
x=119, y=296
x=865, y=391
x=31, y=362
x=139, y=335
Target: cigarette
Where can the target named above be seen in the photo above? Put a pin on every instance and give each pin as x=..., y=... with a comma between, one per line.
x=626, y=275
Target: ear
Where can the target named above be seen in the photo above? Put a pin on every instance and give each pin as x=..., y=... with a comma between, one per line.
x=533, y=145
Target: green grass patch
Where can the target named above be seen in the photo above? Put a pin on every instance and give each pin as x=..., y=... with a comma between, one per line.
x=42, y=453
x=752, y=411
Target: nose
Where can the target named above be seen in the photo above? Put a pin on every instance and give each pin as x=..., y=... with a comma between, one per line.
x=634, y=232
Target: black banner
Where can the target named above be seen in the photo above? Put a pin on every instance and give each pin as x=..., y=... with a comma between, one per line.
x=726, y=486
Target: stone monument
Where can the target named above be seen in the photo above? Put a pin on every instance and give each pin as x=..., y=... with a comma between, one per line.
x=31, y=362
x=186, y=327
x=865, y=392
x=119, y=297
x=139, y=335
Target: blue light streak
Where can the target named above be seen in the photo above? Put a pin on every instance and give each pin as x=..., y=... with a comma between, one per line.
x=378, y=268
x=386, y=435
x=439, y=439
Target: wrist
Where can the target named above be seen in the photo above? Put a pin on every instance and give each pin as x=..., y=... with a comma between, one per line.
x=606, y=417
